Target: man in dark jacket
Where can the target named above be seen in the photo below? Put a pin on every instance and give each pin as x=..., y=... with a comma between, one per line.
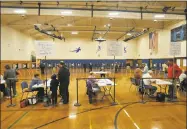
x=63, y=77
x=10, y=78
x=42, y=67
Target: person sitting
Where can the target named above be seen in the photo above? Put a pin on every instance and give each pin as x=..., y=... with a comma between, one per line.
x=137, y=75
x=183, y=80
x=2, y=86
x=90, y=84
x=53, y=87
x=36, y=81
x=183, y=76
x=147, y=82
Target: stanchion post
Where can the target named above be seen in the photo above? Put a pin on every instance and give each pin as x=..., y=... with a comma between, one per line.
x=114, y=101
x=77, y=103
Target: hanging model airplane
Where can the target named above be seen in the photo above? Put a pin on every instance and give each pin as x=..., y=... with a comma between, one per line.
x=76, y=50
x=125, y=49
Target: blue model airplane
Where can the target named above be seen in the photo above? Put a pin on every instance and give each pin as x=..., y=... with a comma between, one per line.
x=76, y=50
x=125, y=49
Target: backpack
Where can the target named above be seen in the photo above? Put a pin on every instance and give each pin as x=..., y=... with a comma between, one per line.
x=160, y=97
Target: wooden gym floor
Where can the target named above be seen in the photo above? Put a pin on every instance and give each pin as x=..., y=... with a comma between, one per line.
x=101, y=114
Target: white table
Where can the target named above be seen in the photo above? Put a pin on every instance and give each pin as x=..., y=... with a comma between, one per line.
x=42, y=85
x=104, y=83
x=163, y=83
x=100, y=72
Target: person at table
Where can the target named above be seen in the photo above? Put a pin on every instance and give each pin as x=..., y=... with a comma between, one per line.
x=165, y=69
x=173, y=73
x=145, y=69
x=63, y=77
x=183, y=80
x=53, y=87
x=10, y=73
x=183, y=76
x=137, y=75
x=91, y=83
x=2, y=86
x=36, y=81
x=147, y=82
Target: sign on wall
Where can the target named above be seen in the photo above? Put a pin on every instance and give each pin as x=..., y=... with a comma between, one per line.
x=114, y=48
x=44, y=48
x=175, y=48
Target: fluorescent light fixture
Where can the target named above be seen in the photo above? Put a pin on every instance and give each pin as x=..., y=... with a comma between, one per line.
x=69, y=24
x=72, y=116
x=37, y=24
x=155, y=20
x=20, y=11
x=66, y=12
x=74, y=32
x=113, y=14
x=129, y=34
x=159, y=16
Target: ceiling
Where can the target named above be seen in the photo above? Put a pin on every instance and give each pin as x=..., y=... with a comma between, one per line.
x=88, y=18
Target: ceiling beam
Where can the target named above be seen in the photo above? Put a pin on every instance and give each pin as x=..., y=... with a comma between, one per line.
x=94, y=9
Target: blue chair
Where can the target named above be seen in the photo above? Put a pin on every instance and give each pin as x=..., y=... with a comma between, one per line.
x=133, y=82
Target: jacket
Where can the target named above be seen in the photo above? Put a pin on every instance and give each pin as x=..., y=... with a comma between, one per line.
x=54, y=85
x=177, y=71
x=9, y=73
x=63, y=75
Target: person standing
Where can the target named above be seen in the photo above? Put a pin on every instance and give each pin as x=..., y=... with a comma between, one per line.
x=53, y=87
x=10, y=73
x=63, y=77
x=42, y=67
x=84, y=66
x=173, y=73
x=145, y=69
x=90, y=67
x=165, y=69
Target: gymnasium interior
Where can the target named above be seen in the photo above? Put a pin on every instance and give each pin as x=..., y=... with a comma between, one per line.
x=108, y=51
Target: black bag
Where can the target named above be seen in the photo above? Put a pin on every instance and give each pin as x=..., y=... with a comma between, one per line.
x=160, y=97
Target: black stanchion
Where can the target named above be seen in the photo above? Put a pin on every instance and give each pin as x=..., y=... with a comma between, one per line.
x=114, y=103
x=77, y=103
x=11, y=84
x=142, y=91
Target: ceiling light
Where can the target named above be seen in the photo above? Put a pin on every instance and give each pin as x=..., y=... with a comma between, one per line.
x=155, y=20
x=20, y=11
x=159, y=16
x=129, y=34
x=66, y=12
x=113, y=14
x=37, y=24
x=74, y=32
x=69, y=24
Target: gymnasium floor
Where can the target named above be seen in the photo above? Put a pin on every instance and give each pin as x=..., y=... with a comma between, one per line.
x=101, y=114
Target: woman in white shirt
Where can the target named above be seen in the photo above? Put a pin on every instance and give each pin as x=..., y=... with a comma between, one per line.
x=147, y=82
x=183, y=76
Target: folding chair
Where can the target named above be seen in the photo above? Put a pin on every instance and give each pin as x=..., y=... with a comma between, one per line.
x=133, y=82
